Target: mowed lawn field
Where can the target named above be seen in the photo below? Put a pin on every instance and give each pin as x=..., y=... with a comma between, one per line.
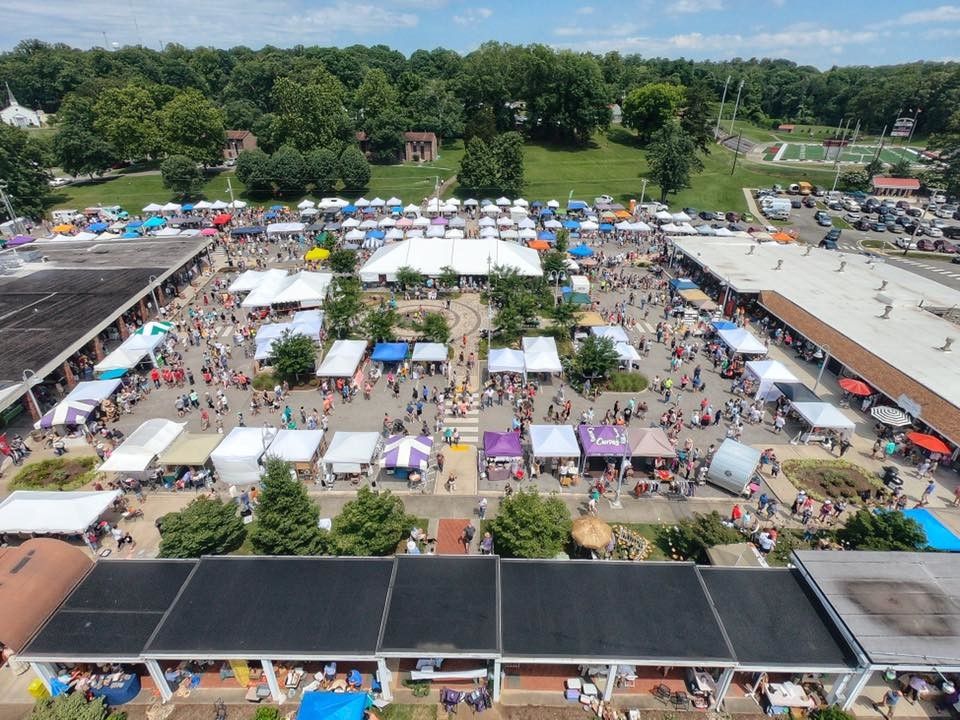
x=612, y=164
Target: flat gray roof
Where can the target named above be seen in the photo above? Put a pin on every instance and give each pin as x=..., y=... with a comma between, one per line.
x=901, y=608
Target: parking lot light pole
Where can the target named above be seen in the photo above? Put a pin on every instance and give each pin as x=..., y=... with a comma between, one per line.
x=153, y=291
x=28, y=382
x=826, y=359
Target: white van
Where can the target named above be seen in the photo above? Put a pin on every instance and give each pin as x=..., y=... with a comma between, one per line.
x=65, y=216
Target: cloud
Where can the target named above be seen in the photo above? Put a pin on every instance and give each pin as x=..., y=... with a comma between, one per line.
x=585, y=10
x=473, y=16
x=930, y=16
x=685, y=7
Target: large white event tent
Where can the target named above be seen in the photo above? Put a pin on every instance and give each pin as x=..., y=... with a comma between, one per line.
x=130, y=352
x=467, y=256
x=309, y=289
x=142, y=446
x=505, y=360
x=540, y=355
x=821, y=415
x=765, y=373
x=285, y=228
x=296, y=446
x=553, y=441
x=350, y=451
x=38, y=512
x=251, y=279
x=342, y=359
x=742, y=341
x=429, y=352
x=614, y=332
x=237, y=458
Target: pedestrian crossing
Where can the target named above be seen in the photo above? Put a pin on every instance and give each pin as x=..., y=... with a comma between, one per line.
x=468, y=425
x=949, y=272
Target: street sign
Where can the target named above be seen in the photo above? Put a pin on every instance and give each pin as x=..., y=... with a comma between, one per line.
x=902, y=127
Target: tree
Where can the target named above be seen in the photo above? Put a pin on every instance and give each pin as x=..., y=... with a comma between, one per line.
x=481, y=124
x=596, y=358
x=80, y=151
x=374, y=96
x=253, y=170
x=554, y=262
x=288, y=170
x=448, y=277
x=292, y=356
x=903, y=168
x=322, y=170
x=564, y=316
x=530, y=525
x=207, y=526
x=126, y=118
x=22, y=169
x=343, y=261
x=312, y=115
x=855, y=179
x=385, y=135
x=286, y=516
x=947, y=143
x=191, y=125
x=435, y=327
x=379, y=323
x=407, y=277
x=507, y=152
x=478, y=166
x=690, y=538
x=181, y=175
x=874, y=167
x=73, y=706
x=882, y=531
x=672, y=156
x=648, y=109
x=373, y=524
x=354, y=169
x=563, y=241
x=695, y=115
x=344, y=306
x=240, y=114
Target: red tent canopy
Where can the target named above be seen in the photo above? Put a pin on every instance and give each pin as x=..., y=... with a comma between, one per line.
x=222, y=219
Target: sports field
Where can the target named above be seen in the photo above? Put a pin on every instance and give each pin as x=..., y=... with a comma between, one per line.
x=862, y=154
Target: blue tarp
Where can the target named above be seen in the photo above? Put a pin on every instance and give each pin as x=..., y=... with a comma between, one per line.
x=547, y=235
x=134, y=224
x=187, y=207
x=97, y=227
x=130, y=235
x=112, y=374
x=333, y=706
x=250, y=230
x=939, y=536
x=155, y=221
x=278, y=207
x=723, y=325
x=683, y=284
x=571, y=224
x=581, y=251
x=389, y=352
x=270, y=215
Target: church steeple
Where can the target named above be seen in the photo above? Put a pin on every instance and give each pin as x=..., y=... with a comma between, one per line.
x=11, y=100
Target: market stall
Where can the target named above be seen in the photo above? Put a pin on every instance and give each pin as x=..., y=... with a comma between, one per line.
x=142, y=446
x=129, y=354
x=742, y=341
x=237, y=458
x=38, y=512
x=501, y=360
x=190, y=452
x=407, y=458
x=604, y=447
x=822, y=418
x=342, y=359
x=426, y=352
x=350, y=454
x=554, y=448
x=79, y=404
x=733, y=466
x=251, y=279
x=500, y=458
x=764, y=374
x=540, y=355
x=300, y=448
x=390, y=352
x=614, y=333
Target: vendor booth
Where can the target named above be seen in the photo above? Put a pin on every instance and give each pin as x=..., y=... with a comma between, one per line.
x=822, y=418
x=189, y=453
x=742, y=341
x=142, y=446
x=342, y=359
x=300, y=448
x=37, y=512
x=796, y=392
x=613, y=332
x=429, y=352
x=407, y=458
x=389, y=352
x=764, y=374
x=79, y=404
x=554, y=449
x=733, y=466
x=237, y=458
x=501, y=457
x=540, y=355
x=350, y=454
x=129, y=354
x=252, y=279
x=604, y=446
x=628, y=355
x=501, y=360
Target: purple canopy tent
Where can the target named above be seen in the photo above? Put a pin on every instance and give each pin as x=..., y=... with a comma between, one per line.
x=502, y=444
x=407, y=451
x=603, y=440
x=18, y=240
x=68, y=412
x=439, y=221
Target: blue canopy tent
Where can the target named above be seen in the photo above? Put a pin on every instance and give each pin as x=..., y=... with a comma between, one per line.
x=376, y=234
x=606, y=227
x=683, y=284
x=723, y=325
x=536, y=204
x=130, y=235
x=333, y=706
x=348, y=209
x=389, y=352
x=278, y=207
x=546, y=211
x=939, y=536
x=270, y=215
x=134, y=224
x=97, y=227
x=155, y=222
x=581, y=251
x=112, y=374
x=250, y=230
x=576, y=205
x=187, y=207
x=547, y=236
x=571, y=224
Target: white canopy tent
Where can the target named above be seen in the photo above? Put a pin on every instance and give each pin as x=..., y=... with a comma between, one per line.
x=429, y=352
x=350, y=451
x=96, y=390
x=467, y=256
x=296, y=446
x=130, y=352
x=628, y=354
x=505, y=360
x=540, y=355
x=39, y=512
x=252, y=279
x=306, y=288
x=142, y=446
x=554, y=441
x=237, y=458
x=342, y=359
x=765, y=373
x=821, y=415
x=742, y=341
x=613, y=332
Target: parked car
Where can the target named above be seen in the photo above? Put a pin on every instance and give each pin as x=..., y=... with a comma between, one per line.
x=796, y=203
x=955, y=259
x=835, y=205
x=952, y=232
x=732, y=217
x=894, y=228
x=933, y=231
x=945, y=246
x=825, y=221
x=926, y=244
x=706, y=215
x=809, y=202
x=862, y=224
x=878, y=227
x=852, y=217
x=905, y=244
x=58, y=182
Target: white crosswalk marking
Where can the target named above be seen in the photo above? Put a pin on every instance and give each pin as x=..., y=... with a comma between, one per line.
x=468, y=425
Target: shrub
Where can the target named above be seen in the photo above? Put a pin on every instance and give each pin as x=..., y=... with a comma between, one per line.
x=264, y=381
x=627, y=382
x=56, y=474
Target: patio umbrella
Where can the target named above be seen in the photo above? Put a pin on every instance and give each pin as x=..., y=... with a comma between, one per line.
x=894, y=417
x=591, y=532
x=855, y=387
x=154, y=327
x=928, y=442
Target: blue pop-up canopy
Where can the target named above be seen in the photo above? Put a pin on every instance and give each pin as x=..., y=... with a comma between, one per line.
x=187, y=208
x=606, y=227
x=546, y=236
x=376, y=234
x=576, y=205
x=571, y=224
x=134, y=224
x=333, y=706
x=348, y=209
x=389, y=352
x=581, y=251
x=683, y=284
x=97, y=227
x=154, y=222
x=723, y=325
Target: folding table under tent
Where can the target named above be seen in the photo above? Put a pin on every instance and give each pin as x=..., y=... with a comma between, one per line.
x=430, y=352
x=38, y=512
x=821, y=415
x=300, y=448
x=351, y=452
x=237, y=458
x=342, y=359
x=766, y=373
x=742, y=341
x=142, y=446
x=501, y=360
x=614, y=332
x=389, y=352
x=540, y=355
x=733, y=466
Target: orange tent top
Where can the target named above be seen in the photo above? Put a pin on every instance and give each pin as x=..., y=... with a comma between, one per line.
x=782, y=237
x=622, y=214
x=539, y=245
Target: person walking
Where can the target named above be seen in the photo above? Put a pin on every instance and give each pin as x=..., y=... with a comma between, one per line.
x=887, y=703
x=482, y=508
x=466, y=537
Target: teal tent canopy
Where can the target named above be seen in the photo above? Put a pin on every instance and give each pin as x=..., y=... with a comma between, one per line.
x=333, y=706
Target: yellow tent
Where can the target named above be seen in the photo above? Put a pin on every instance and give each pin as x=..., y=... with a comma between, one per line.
x=316, y=254
x=64, y=228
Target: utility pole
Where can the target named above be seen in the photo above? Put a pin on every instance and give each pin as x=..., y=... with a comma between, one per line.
x=5, y=199
x=736, y=106
x=883, y=140
x=914, y=125
x=230, y=191
x=856, y=133
x=736, y=153
x=723, y=98
x=643, y=190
